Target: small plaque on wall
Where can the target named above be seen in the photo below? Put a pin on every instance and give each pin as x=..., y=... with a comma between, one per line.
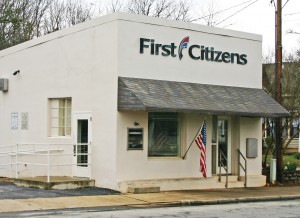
x=251, y=148
x=24, y=121
x=14, y=120
x=135, y=139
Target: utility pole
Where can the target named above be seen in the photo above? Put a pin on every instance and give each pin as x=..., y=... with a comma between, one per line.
x=278, y=69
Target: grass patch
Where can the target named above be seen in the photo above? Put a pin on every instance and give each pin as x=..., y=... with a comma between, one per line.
x=293, y=158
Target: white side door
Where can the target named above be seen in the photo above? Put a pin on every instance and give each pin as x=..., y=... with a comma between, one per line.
x=82, y=158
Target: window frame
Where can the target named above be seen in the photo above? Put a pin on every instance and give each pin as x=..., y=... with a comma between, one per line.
x=60, y=117
x=180, y=140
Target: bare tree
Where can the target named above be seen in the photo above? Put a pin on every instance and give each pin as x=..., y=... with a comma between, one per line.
x=77, y=12
x=115, y=6
x=209, y=14
x=290, y=91
x=210, y=17
x=54, y=20
x=6, y=19
x=62, y=14
x=180, y=11
x=143, y=7
x=268, y=72
x=170, y=9
x=22, y=20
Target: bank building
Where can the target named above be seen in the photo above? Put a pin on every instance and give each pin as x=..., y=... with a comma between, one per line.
x=119, y=101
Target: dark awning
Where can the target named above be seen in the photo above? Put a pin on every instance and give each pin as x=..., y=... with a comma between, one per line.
x=169, y=96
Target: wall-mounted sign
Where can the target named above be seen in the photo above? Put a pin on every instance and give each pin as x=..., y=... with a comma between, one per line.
x=14, y=120
x=195, y=52
x=135, y=139
x=251, y=148
x=24, y=121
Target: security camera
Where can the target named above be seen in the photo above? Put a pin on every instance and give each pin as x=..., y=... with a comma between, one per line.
x=16, y=72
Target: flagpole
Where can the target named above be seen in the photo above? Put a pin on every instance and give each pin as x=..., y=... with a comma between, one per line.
x=193, y=140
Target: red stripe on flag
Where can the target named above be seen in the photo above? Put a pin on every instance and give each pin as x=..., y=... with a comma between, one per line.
x=201, y=143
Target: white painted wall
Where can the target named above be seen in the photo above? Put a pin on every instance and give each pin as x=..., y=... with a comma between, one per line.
x=133, y=165
x=136, y=165
x=251, y=128
x=79, y=62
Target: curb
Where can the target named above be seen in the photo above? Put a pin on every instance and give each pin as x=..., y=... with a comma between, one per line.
x=213, y=202
x=185, y=203
x=236, y=200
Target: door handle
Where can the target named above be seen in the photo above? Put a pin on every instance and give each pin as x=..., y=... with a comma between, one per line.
x=74, y=150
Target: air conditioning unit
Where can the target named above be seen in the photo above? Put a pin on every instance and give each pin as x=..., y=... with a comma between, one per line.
x=4, y=85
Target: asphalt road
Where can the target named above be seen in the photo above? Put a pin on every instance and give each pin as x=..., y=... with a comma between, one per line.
x=274, y=209
x=11, y=191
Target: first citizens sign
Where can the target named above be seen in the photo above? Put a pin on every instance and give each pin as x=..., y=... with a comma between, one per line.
x=196, y=52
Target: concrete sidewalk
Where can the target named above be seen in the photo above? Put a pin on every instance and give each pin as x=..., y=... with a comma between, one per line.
x=173, y=198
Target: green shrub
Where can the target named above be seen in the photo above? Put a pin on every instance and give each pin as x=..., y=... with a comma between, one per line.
x=291, y=158
x=290, y=166
x=297, y=156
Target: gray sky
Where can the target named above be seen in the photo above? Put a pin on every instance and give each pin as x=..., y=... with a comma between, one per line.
x=258, y=18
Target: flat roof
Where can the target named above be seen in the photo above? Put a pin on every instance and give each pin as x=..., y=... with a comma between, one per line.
x=136, y=94
x=121, y=16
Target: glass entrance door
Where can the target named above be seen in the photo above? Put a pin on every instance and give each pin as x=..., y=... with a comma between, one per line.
x=224, y=144
x=82, y=145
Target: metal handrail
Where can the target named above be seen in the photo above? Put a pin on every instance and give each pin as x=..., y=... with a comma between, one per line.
x=47, y=151
x=241, y=166
x=221, y=154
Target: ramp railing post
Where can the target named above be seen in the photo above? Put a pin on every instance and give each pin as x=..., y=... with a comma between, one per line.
x=10, y=157
x=48, y=171
x=17, y=151
x=90, y=158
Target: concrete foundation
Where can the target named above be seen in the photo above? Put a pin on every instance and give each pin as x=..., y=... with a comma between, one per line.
x=55, y=182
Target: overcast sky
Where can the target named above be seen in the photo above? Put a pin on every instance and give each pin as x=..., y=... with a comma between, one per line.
x=259, y=18
x=255, y=16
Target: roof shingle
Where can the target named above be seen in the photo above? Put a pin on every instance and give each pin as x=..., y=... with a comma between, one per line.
x=169, y=96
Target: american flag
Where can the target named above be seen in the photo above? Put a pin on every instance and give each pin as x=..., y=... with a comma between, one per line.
x=201, y=143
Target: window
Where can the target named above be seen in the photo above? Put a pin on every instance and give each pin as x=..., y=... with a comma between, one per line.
x=164, y=135
x=60, y=116
x=82, y=142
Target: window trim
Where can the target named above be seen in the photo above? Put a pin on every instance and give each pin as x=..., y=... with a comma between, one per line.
x=181, y=141
x=67, y=120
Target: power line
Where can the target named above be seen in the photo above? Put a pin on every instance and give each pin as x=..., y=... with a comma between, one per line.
x=226, y=9
x=285, y=3
x=292, y=14
x=237, y=12
x=272, y=1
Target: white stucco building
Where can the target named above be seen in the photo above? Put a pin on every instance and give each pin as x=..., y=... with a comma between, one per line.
x=130, y=93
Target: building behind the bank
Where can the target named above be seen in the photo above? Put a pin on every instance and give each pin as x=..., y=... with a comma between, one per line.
x=119, y=99
x=291, y=100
